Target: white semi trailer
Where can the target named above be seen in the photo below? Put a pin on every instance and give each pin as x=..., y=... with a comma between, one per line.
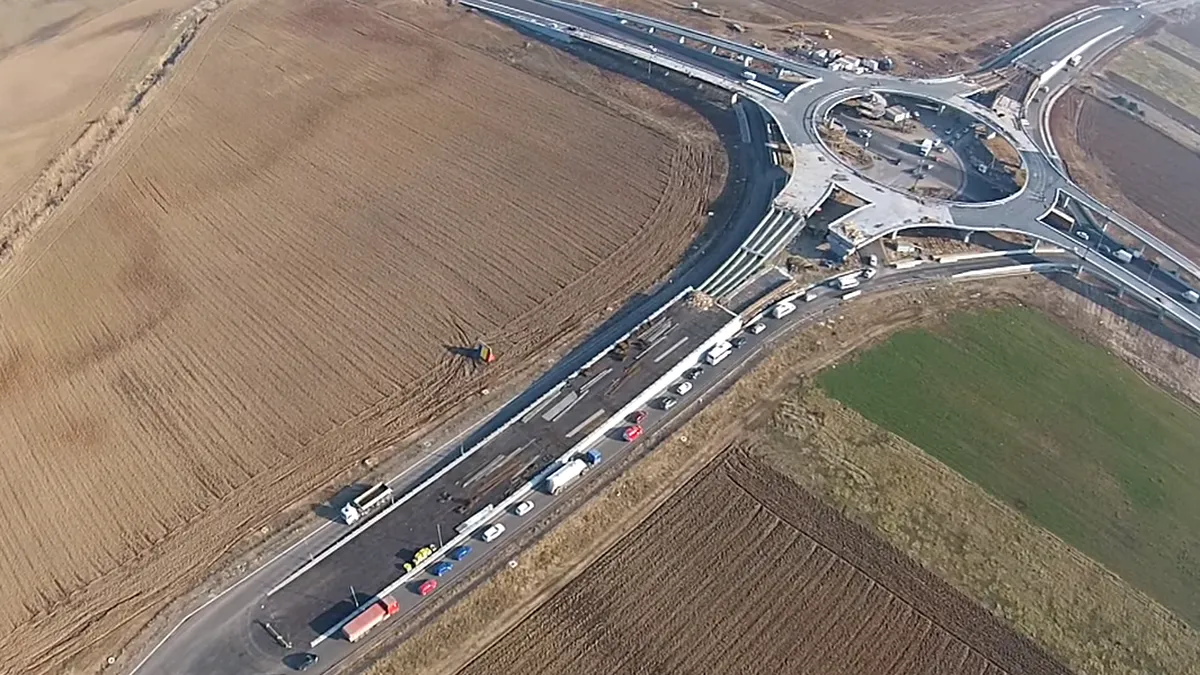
x=565, y=474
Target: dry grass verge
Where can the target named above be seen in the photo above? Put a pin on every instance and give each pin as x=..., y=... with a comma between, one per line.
x=69, y=168
x=1067, y=603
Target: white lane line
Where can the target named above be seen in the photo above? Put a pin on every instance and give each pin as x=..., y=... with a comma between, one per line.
x=583, y=424
x=672, y=348
x=421, y=459
x=590, y=383
x=462, y=457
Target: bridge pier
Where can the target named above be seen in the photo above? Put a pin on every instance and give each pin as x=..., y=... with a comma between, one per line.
x=680, y=39
x=967, y=237
x=712, y=49
x=747, y=61
x=733, y=99
x=650, y=29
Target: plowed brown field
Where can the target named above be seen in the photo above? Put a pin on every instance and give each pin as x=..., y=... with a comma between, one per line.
x=1137, y=169
x=743, y=572
x=260, y=287
x=942, y=35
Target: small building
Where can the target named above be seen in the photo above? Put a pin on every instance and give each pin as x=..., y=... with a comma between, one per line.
x=870, y=111
x=896, y=114
x=848, y=63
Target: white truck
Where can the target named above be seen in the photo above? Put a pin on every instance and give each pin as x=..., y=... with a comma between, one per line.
x=782, y=309
x=565, y=474
x=1191, y=296
x=1123, y=255
x=1075, y=60
x=846, y=283
x=749, y=75
x=718, y=353
x=926, y=147
x=367, y=503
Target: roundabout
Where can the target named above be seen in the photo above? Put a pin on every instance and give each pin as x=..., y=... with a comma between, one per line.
x=923, y=148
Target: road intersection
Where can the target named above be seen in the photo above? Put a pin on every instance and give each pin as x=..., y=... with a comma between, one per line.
x=228, y=634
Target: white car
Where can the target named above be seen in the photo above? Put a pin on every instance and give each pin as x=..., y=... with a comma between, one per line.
x=523, y=508
x=493, y=533
x=683, y=388
x=1082, y=235
x=756, y=328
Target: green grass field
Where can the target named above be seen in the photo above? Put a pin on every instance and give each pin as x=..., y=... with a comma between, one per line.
x=1059, y=429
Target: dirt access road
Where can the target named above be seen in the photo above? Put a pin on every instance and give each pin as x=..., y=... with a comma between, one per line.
x=261, y=286
x=939, y=36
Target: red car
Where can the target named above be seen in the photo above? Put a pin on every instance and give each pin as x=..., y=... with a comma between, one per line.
x=639, y=417
x=427, y=587
x=632, y=433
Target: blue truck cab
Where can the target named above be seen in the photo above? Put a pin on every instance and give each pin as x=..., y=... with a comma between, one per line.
x=592, y=457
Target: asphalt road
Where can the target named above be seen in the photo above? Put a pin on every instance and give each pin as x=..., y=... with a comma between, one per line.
x=316, y=601
x=226, y=636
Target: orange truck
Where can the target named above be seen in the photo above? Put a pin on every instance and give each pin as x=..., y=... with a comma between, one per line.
x=370, y=617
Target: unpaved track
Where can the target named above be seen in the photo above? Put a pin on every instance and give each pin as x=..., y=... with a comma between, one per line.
x=944, y=36
x=743, y=572
x=258, y=289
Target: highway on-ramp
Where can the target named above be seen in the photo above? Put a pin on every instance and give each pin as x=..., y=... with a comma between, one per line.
x=227, y=635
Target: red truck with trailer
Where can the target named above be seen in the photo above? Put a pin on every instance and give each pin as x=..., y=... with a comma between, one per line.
x=370, y=617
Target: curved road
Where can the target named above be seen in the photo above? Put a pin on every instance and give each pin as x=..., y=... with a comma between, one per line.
x=225, y=635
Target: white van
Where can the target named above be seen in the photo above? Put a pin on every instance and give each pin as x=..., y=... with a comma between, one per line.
x=493, y=533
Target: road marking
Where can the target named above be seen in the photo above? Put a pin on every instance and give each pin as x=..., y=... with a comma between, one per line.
x=672, y=348
x=492, y=466
x=559, y=409
x=584, y=423
x=594, y=380
x=421, y=459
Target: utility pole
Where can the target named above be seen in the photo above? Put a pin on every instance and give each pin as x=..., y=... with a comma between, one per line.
x=354, y=596
x=439, y=535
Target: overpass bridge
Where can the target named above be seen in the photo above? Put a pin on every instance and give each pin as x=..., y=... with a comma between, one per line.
x=801, y=109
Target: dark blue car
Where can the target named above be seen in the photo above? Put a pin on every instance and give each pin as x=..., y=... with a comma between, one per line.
x=441, y=568
x=460, y=552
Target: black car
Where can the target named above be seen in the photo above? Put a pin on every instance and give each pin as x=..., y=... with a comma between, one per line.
x=737, y=342
x=304, y=661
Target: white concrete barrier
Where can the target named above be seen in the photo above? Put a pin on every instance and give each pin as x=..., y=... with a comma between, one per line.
x=1015, y=270
x=725, y=332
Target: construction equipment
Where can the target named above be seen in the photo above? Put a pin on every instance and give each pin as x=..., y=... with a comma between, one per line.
x=621, y=350
x=420, y=555
x=484, y=353
x=367, y=503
